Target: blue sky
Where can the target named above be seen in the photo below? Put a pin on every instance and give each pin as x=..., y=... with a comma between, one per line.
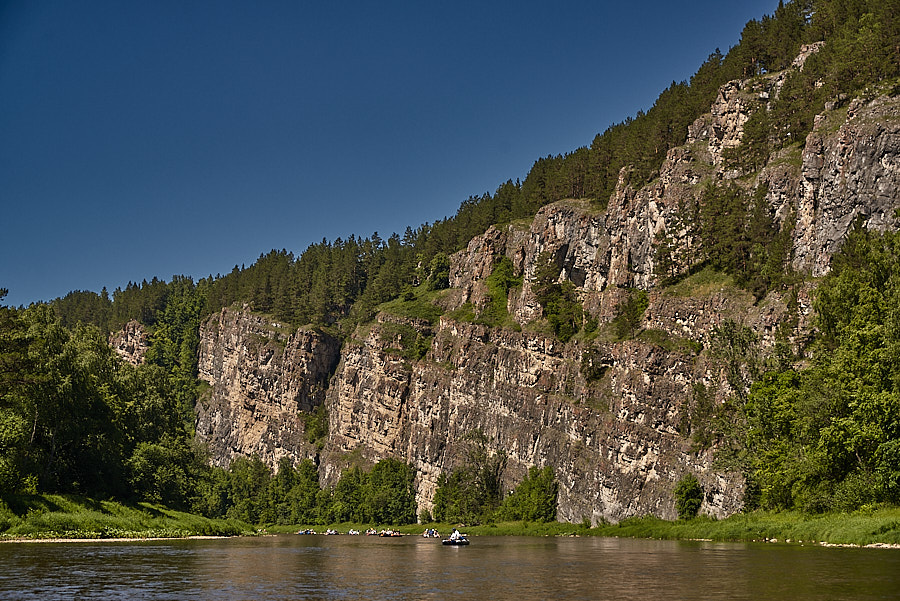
x=142, y=139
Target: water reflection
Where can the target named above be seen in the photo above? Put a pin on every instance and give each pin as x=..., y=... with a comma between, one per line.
x=492, y=568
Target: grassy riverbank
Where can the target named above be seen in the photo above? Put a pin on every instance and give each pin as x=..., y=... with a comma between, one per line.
x=65, y=516
x=859, y=528
x=73, y=517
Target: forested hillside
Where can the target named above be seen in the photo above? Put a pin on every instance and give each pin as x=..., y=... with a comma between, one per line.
x=815, y=430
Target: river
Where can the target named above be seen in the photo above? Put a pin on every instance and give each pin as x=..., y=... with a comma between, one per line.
x=491, y=568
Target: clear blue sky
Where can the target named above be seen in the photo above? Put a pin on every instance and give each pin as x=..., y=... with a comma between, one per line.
x=142, y=139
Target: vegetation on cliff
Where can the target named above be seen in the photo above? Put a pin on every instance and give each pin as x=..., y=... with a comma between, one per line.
x=827, y=435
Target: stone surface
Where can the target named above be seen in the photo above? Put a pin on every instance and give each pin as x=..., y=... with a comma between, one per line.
x=131, y=342
x=263, y=378
x=850, y=173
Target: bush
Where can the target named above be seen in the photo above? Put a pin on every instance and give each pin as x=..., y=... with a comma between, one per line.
x=534, y=499
x=688, y=497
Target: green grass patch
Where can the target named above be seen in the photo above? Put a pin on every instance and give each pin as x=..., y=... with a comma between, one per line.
x=70, y=516
x=703, y=284
x=413, y=344
x=464, y=314
x=416, y=303
x=791, y=155
x=675, y=344
x=859, y=528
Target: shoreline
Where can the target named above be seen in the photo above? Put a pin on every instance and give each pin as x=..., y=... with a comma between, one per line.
x=136, y=539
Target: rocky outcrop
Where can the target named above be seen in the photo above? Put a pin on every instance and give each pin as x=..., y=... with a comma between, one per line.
x=131, y=342
x=850, y=171
x=612, y=440
x=263, y=378
x=606, y=415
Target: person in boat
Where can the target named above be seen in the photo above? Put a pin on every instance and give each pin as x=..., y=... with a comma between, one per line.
x=455, y=535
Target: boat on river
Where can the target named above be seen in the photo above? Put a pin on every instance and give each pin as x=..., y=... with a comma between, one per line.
x=455, y=542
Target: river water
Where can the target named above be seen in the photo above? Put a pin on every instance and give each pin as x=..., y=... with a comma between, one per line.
x=491, y=568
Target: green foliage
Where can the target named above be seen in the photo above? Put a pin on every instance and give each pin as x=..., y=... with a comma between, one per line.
x=250, y=492
x=176, y=341
x=410, y=343
x=688, y=497
x=471, y=492
x=824, y=437
x=164, y=472
x=315, y=426
x=858, y=528
x=499, y=283
x=77, y=419
x=70, y=516
x=415, y=304
x=349, y=500
x=702, y=283
x=671, y=343
x=753, y=152
x=391, y=497
x=439, y=272
x=534, y=499
x=465, y=313
x=629, y=314
x=560, y=304
x=88, y=307
x=698, y=420
x=739, y=236
x=736, y=346
x=593, y=365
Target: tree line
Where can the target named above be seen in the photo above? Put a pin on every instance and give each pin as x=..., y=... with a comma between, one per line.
x=330, y=283
x=820, y=431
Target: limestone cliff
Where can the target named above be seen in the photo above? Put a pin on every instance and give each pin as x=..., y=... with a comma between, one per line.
x=605, y=414
x=131, y=342
x=262, y=377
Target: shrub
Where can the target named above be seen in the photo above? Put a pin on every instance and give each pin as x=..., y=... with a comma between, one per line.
x=688, y=497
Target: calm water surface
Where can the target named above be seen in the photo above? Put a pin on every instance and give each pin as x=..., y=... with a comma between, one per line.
x=521, y=568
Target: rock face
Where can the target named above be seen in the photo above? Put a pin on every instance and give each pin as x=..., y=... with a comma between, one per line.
x=612, y=440
x=607, y=416
x=262, y=377
x=849, y=174
x=131, y=342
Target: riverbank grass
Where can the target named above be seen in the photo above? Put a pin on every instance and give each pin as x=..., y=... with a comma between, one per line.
x=867, y=527
x=859, y=528
x=74, y=517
